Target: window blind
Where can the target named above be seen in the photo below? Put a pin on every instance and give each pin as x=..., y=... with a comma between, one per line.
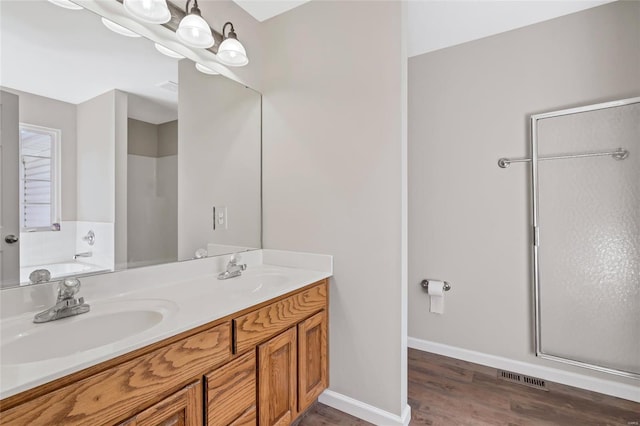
x=36, y=187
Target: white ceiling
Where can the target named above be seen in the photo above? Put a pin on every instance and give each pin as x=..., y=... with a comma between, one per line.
x=33, y=34
x=70, y=56
x=436, y=24
x=265, y=9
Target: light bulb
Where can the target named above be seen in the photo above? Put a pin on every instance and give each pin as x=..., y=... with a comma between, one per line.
x=231, y=52
x=195, y=32
x=151, y=11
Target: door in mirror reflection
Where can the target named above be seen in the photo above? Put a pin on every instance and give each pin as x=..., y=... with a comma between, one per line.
x=9, y=199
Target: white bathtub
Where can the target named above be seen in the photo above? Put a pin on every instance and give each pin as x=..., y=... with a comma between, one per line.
x=58, y=270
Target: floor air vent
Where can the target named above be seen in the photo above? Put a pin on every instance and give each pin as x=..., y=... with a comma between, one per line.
x=522, y=379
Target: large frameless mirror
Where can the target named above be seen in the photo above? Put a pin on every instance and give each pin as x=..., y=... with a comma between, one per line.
x=115, y=156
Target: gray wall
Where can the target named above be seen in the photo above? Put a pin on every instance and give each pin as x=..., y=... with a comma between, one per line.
x=332, y=134
x=152, y=193
x=168, y=138
x=218, y=161
x=102, y=165
x=120, y=155
x=142, y=138
x=96, y=159
x=468, y=219
x=55, y=114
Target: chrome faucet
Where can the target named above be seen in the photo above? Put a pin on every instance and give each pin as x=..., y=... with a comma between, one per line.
x=85, y=254
x=234, y=269
x=66, y=305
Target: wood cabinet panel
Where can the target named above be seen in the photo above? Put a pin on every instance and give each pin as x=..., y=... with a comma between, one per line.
x=120, y=392
x=312, y=359
x=277, y=379
x=183, y=408
x=231, y=390
x=257, y=326
x=281, y=370
x=249, y=418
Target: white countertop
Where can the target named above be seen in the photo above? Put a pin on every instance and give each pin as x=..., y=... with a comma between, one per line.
x=196, y=299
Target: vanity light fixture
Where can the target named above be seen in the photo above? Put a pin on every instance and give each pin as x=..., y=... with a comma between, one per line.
x=151, y=11
x=66, y=4
x=119, y=29
x=231, y=52
x=168, y=52
x=193, y=29
x=206, y=70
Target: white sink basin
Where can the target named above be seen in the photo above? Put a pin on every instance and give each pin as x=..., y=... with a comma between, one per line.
x=106, y=323
x=253, y=282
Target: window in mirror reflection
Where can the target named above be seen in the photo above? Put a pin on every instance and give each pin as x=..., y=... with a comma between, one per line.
x=39, y=178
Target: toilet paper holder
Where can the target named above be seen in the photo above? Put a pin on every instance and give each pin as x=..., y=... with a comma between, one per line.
x=425, y=284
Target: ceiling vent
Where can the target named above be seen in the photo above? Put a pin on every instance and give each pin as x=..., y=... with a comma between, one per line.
x=533, y=382
x=168, y=85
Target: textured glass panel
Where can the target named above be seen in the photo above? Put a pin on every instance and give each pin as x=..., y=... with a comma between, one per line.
x=589, y=253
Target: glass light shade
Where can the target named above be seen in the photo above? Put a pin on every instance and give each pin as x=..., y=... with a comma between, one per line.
x=119, y=29
x=195, y=32
x=168, y=52
x=66, y=4
x=151, y=11
x=206, y=70
x=231, y=52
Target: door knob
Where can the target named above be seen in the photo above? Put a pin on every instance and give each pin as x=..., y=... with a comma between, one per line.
x=10, y=239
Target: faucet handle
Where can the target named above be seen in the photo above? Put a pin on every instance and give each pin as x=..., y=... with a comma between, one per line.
x=68, y=288
x=235, y=258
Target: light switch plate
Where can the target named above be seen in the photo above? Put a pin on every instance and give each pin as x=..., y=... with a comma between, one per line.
x=219, y=218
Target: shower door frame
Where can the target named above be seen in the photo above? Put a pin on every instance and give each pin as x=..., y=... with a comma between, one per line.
x=536, y=231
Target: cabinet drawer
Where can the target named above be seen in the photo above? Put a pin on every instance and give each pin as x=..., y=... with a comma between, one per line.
x=118, y=392
x=231, y=390
x=257, y=326
x=183, y=408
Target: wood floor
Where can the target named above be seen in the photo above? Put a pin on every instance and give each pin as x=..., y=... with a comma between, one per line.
x=446, y=391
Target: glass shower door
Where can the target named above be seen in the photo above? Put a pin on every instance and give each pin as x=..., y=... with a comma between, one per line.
x=587, y=244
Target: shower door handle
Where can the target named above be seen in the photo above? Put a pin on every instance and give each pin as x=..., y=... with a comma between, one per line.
x=11, y=239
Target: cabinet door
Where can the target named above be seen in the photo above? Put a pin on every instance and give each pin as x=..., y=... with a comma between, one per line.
x=312, y=359
x=183, y=408
x=248, y=418
x=277, y=379
x=231, y=391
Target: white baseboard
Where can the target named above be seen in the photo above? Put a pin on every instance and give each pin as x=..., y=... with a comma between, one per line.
x=607, y=387
x=364, y=411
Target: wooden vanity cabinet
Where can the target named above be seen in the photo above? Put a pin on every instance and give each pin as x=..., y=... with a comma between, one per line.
x=292, y=371
x=230, y=392
x=312, y=359
x=263, y=365
x=278, y=378
x=183, y=408
x=121, y=390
